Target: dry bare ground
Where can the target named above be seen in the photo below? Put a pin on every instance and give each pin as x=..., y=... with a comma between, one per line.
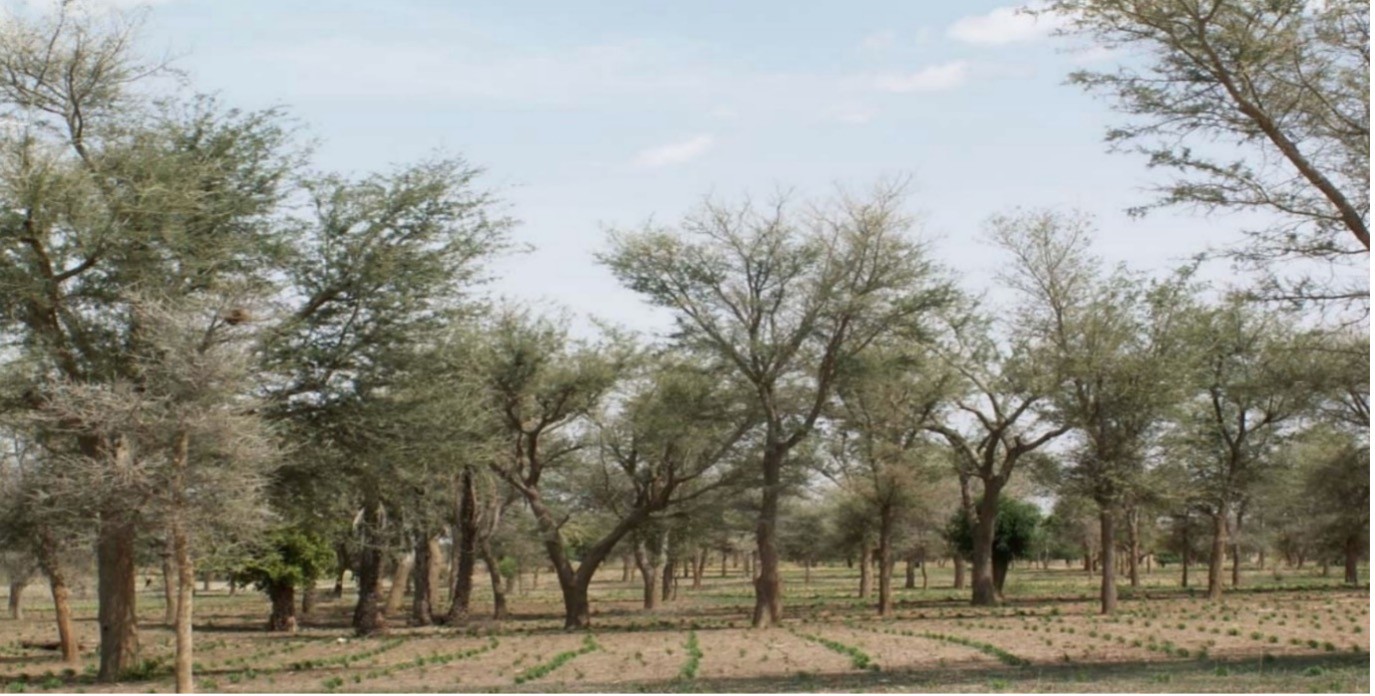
x=1295, y=631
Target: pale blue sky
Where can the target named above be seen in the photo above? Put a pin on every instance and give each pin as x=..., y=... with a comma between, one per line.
x=588, y=114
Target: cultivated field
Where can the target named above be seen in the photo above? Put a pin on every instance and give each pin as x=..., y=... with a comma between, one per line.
x=1288, y=631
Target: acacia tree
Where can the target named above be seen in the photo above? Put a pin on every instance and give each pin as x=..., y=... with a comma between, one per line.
x=781, y=297
x=377, y=270
x=1285, y=81
x=1253, y=375
x=1006, y=392
x=884, y=400
x=1017, y=534
x=1116, y=342
x=673, y=431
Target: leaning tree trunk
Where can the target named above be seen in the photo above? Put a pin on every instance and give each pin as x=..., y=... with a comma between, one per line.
x=645, y=562
x=1218, y=556
x=117, y=588
x=498, y=586
x=1108, y=591
x=768, y=585
x=62, y=608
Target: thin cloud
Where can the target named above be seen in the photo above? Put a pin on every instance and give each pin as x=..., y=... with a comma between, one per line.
x=674, y=153
x=933, y=78
x=1004, y=25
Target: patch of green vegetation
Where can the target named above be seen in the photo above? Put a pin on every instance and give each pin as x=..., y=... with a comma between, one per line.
x=858, y=658
x=589, y=644
x=694, y=651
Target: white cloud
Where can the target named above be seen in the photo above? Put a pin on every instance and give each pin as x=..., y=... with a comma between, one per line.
x=853, y=114
x=1004, y=25
x=878, y=41
x=674, y=153
x=929, y=79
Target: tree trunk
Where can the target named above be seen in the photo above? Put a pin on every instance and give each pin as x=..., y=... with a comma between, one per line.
x=625, y=568
x=669, y=580
x=699, y=568
x=368, y=617
x=958, y=562
x=308, y=599
x=283, y=597
x=807, y=571
x=649, y=571
x=1108, y=592
x=16, y=597
x=768, y=586
x=422, y=611
x=1134, y=541
x=117, y=589
x=921, y=562
x=1000, y=566
x=342, y=558
x=498, y=588
x=577, y=612
x=985, y=591
x=1218, y=556
x=464, y=549
x=62, y=608
x=865, y=570
x=401, y=573
x=169, y=587
x=885, y=560
x=186, y=571
x=910, y=582
x=1184, y=557
x=724, y=557
x=1352, y=554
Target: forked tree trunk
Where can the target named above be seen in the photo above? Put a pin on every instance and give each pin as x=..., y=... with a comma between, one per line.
x=1218, y=556
x=768, y=586
x=1108, y=591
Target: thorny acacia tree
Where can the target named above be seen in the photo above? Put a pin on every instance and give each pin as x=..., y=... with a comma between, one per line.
x=1116, y=343
x=1287, y=82
x=106, y=190
x=782, y=296
x=1004, y=395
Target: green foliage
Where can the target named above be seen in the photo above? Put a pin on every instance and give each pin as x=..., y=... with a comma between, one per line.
x=588, y=645
x=288, y=556
x=1016, y=532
